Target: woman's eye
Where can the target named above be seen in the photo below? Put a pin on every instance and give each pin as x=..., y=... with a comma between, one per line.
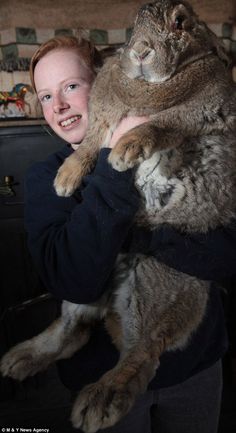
x=45, y=98
x=73, y=86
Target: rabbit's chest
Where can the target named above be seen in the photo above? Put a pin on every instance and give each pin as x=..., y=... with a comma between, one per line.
x=160, y=189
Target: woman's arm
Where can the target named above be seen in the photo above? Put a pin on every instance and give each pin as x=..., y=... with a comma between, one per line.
x=74, y=243
x=209, y=256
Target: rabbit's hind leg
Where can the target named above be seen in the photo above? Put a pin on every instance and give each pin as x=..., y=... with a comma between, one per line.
x=102, y=404
x=60, y=340
x=158, y=309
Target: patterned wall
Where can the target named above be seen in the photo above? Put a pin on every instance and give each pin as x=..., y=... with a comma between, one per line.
x=17, y=46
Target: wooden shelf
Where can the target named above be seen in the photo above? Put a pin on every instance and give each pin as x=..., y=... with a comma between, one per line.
x=21, y=122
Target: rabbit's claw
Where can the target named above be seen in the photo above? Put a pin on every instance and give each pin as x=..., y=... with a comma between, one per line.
x=68, y=177
x=131, y=150
x=22, y=361
x=99, y=406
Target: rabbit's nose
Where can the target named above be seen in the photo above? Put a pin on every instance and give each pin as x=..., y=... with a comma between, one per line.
x=141, y=55
x=141, y=51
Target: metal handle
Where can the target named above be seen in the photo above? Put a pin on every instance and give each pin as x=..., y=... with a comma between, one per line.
x=6, y=186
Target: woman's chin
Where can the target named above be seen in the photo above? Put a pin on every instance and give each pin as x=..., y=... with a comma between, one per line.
x=75, y=135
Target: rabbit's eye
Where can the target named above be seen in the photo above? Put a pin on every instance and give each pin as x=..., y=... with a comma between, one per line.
x=178, y=23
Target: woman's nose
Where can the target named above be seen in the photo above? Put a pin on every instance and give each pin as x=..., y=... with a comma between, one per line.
x=59, y=104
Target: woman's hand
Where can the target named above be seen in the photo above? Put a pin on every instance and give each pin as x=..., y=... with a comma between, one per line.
x=125, y=125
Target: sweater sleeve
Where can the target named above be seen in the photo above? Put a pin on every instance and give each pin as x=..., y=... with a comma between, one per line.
x=208, y=256
x=74, y=243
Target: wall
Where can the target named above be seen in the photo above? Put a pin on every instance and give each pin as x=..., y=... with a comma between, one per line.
x=95, y=14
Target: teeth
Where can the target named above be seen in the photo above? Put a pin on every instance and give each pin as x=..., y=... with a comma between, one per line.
x=69, y=121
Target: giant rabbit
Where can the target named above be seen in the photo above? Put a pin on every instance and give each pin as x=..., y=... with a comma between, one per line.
x=173, y=69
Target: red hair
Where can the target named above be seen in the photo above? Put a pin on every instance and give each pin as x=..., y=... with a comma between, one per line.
x=86, y=50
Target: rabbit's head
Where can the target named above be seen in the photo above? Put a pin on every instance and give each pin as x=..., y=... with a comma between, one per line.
x=167, y=36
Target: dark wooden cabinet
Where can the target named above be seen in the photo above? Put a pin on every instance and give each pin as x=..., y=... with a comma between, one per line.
x=25, y=307
x=20, y=147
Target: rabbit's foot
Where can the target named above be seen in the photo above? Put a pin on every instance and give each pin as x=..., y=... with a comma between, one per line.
x=24, y=360
x=132, y=149
x=100, y=405
x=68, y=177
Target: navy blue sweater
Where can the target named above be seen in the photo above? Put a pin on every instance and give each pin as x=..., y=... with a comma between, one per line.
x=74, y=242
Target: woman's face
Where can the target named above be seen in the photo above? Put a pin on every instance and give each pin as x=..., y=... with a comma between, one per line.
x=63, y=83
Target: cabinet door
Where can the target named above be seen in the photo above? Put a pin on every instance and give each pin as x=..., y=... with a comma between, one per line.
x=20, y=147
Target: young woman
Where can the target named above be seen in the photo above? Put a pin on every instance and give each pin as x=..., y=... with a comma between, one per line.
x=74, y=242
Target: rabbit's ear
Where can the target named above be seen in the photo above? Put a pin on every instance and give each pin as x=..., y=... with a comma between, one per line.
x=220, y=49
x=217, y=45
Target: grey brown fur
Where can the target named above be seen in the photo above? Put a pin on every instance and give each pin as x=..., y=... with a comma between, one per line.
x=173, y=69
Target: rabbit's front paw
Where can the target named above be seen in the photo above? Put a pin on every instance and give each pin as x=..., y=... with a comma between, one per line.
x=99, y=406
x=131, y=150
x=22, y=361
x=68, y=177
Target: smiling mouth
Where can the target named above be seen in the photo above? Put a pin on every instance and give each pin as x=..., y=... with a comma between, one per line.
x=71, y=120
